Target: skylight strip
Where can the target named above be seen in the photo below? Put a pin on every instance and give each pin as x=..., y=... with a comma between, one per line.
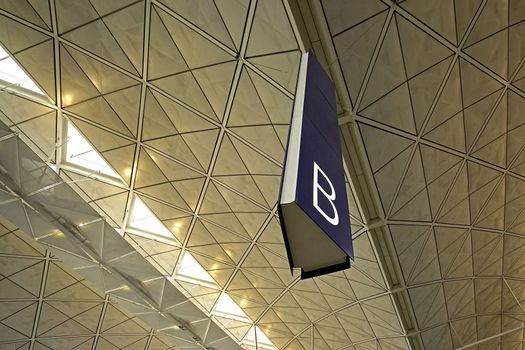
x=142, y=221
x=81, y=153
x=189, y=270
x=14, y=75
x=255, y=337
x=226, y=307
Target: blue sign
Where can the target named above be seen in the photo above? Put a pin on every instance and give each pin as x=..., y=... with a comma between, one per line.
x=313, y=207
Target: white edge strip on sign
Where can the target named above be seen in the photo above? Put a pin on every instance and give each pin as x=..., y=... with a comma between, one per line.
x=294, y=138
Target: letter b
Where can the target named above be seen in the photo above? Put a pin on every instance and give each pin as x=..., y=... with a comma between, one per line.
x=330, y=196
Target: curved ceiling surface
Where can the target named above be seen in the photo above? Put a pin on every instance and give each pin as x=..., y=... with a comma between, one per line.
x=188, y=103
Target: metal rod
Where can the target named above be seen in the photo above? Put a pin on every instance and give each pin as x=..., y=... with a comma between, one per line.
x=491, y=337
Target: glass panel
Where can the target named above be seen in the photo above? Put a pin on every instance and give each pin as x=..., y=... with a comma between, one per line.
x=255, y=335
x=228, y=308
x=80, y=152
x=144, y=220
x=11, y=72
x=191, y=271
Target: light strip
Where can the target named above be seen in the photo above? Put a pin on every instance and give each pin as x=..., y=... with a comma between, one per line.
x=143, y=222
x=189, y=270
x=81, y=156
x=81, y=153
x=228, y=308
x=255, y=337
x=143, y=219
x=13, y=74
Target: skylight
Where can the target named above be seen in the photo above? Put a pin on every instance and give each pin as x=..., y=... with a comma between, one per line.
x=80, y=152
x=227, y=308
x=258, y=339
x=11, y=73
x=144, y=220
x=191, y=271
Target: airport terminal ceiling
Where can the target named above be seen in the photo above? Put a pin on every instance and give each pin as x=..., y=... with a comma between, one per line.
x=170, y=119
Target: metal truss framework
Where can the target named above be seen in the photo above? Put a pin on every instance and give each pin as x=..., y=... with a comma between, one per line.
x=37, y=200
x=377, y=220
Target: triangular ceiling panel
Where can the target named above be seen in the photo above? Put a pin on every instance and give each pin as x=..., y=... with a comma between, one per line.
x=277, y=104
x=355, y=47
x=412, y=197
x=424, y=89
x=204, y=15
x=164, y=56
x=388, y=71
x=493, y=18
x=282, y=67
x=263, y=137
x=117, y=151
x=216, y=82
x=185, y=88
x=271, y=30
x=76, y=86
x=475, y=83
x=492, y=52
x=465, y=12
x=196, y=50
x=439, y=15
x=97, y=39
x=449, y=102
x=202, y=144
x=394, y=109
x=16, y=37
x=34, y=11
x=233, y=14
x=127, y=27
x=106, y=78
x=420, y=50
x=350, y=13
x=105, y=7
x=73, y=14
x=38, y=61
x=177, y=148
x=99, y=111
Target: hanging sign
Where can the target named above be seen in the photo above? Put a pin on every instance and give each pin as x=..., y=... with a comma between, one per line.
x=313, y=207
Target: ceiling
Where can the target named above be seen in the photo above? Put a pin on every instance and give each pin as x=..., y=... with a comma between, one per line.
x=435, y=96
x=47, y=305
x=189, y=103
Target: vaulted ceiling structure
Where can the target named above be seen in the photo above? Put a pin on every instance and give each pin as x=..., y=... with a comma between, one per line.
x=168, y=120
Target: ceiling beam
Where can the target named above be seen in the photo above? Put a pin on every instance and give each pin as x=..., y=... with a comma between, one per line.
x=492, y=337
